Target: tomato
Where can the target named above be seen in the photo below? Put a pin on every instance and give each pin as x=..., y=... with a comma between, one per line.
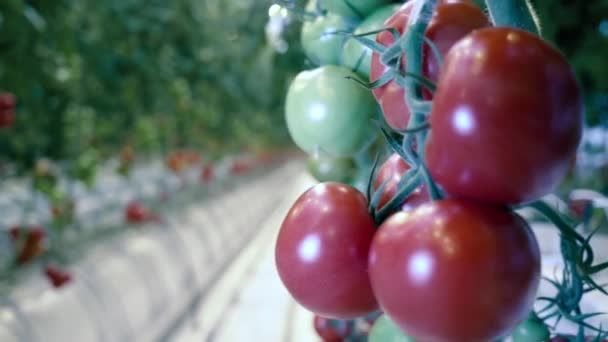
x=136, y=212
x=7, y=101
x=392, y=172
x=332, y=330
x=355, y=55
x=455, y=270
x=354, y=9
x=385, y=330
x=326, y=169
x=531, y=330
x=320, y=41
x=207, y=174
x=327, y=112
x=451, y=21
x=30, y=246
x=322, y=250
x=57, y=277
x=7, y=118
x=506, y=120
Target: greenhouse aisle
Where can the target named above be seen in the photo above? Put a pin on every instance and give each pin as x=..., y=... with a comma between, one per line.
x=249, y=303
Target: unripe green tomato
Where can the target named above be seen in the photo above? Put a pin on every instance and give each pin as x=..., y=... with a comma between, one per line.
x=531, y=330
x=327, y=169
x=355, y=9
x=327, y=112
x=384, y=330
x=358, y=57
x=320, y=41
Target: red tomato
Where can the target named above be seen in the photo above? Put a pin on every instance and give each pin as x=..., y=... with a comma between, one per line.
x=434, y=268
x=322, y=250
x=56, y=276
x=7, y=101
x=33, y=245
x=451, y=21
x=240, y=167
x=135, y=212
x=331, y=330
x=506, y=119
x=7, y=118
x=391, y=172
x=207, y=174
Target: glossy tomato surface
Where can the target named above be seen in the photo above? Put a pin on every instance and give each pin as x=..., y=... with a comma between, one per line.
x=391, y=172
x=451, y=21
x=320, y=40
x=358, y=57
x=329, y=113
x=506, y=119
x=322, y=250
x=455, y=271
x=353, y=9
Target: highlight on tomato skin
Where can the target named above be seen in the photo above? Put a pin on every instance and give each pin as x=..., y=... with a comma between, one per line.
x=435, y=267
x=322, y=250
x=507, y=118
x=451, y=21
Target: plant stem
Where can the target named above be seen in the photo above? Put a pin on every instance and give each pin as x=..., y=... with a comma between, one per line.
x=513, y=13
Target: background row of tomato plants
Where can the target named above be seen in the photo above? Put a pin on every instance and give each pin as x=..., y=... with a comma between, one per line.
x=187, y=73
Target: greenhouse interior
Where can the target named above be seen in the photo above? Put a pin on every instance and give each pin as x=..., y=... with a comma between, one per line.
x=304, y=171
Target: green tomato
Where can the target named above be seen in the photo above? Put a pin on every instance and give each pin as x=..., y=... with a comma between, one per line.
x=358, y=57
x=320, y=41
x=327, y=169
x=354, y=9
x=327, y=112
x=531, y=330
x=384, y=330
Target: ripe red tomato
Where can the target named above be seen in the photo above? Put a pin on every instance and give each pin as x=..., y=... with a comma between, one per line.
x=391, y=172
x=7, y=118
x=506, y=119
x=207, y=174
x=31, y=247
x=332, y=330
x=322, y=250
x=7, y=101
x=136, y=212
x=451, y=21
x=57, y=277
x=434, y=268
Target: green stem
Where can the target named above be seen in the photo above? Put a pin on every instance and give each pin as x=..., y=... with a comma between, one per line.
x=513, y=13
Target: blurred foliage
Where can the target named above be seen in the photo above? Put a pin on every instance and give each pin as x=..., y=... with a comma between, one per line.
x=153, y=74
x=162, y=74
x=580, y=29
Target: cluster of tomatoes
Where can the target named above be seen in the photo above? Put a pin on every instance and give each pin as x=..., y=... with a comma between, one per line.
x=505, y=123
x=7, y=109
x=31, y=243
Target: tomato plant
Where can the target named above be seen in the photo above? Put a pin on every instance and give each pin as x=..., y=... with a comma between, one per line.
x=322, y=249
x=321, y=41
x=391, y=172
x=434, y=268
x=328, y=169
x=56, y=276
x=358, y=57
x=499, y=91
x=451, y=21
x=332, y=330
x=320, y=119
